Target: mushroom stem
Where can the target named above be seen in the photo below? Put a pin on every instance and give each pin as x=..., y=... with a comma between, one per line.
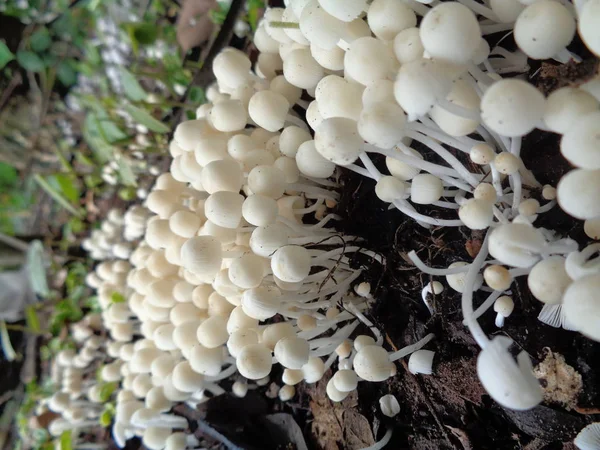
x=467, y=295
x=402, y=205
x=381, y=443
x=411, y=348
x=378, y=336
x=446, y=156
x=480, y=9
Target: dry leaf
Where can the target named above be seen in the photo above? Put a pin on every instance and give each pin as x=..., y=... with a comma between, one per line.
x=194, y=26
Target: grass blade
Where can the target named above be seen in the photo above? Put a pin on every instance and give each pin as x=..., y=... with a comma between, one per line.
x=57, y=196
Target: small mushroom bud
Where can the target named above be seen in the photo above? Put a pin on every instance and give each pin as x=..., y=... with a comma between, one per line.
x=286, y=393
x=497, y=277
x=421, y=361
x=504, y=307
x=389, y=405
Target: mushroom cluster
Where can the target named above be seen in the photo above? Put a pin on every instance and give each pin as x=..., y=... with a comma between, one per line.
x=236, y=266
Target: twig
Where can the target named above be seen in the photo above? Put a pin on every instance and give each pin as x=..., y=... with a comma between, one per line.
x=586, y=410
x=15, y=81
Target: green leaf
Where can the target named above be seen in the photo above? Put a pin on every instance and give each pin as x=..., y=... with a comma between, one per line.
x=127, y=193
x=141, y=34
x=37, y=269
x=196, y=95
x=106, y=391
x=57, y=196
x=132, y=88
x=126, y=173
x=92, y=55
x=93, y=136
x=8, y=175
x=30, y=61
x=5, y=55
x=66, y=440
x=32, y=319
x=111, y=133
x=144, y=118
x=117, y=297
x=106, y=418
x=66, y=74
x=68, y=187
x=40, y=40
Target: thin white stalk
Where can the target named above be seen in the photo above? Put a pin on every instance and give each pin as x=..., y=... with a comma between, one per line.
x=467, y=295
x=411, y=348
x=401, y=205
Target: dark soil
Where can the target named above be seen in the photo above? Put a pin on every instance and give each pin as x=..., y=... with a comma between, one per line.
x=450, y=409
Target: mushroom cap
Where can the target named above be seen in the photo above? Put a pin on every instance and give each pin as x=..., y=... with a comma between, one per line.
x=497, y=277
x=292, y=352
x=318, y=26
x=212, y=332
x=408, y=46
x=420, y=84
x=510, y=383
x=581, y=305
x=588, y=25
x=207, y=361
x=463, y=95
x=450, y=32
x=389, y=188
x=402, y=170
x=421, y=361
x=232, y=67
x=268, y=109
x=548, y=280
x=313, y=370
x=186, y=379
x=223, y=174
x=261, y=302
x=338, y=97
x=224, y=209
x=300, y=69
x=239, y=339
x=507, y=10
x=387, y=18
x=202, y=255
x=267, y=180
x=291, y=263
x=516, y=244
x=425, y=189
x=369, y=59
x=254, y=361
x=333, y=393
x=589, y=437
x=577, y=193
x=372, y=363
x=476, y=214
x=389, y=405
x=311, y=163
x=580, y=143
x=239, y=320
x=337, y=140
x=344, y=10
x=155, y=438
x=544, y=29
x=382, y=124
x=330, y=59
x=345, y=380
x=512, y=107
x=566, y=106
